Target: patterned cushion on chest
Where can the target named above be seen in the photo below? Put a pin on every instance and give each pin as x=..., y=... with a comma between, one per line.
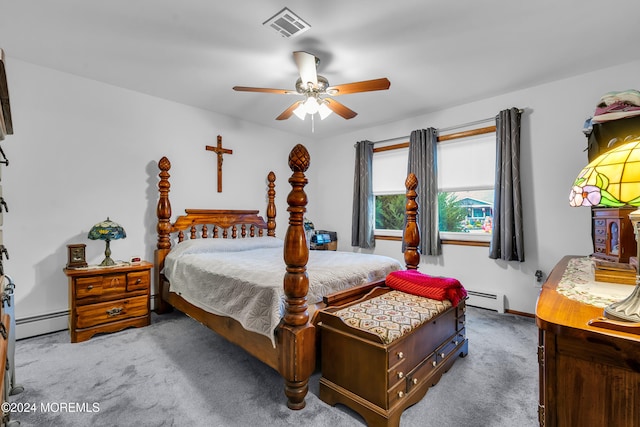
x=392, y=315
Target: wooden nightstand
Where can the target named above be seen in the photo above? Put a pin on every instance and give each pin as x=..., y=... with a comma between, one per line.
x=108, y=299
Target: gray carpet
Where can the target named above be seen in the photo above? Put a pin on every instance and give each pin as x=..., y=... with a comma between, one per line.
x=176, y=372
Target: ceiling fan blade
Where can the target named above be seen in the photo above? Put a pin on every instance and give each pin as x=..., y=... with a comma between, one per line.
x=306, y=63
x=364, y=86
x=340, y=109
x=289, y=111
x=265, y=90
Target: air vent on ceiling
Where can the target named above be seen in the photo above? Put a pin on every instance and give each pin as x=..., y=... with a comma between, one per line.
x=287, y=23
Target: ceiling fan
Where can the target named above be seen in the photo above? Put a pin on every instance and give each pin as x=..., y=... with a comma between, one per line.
x=316, y=91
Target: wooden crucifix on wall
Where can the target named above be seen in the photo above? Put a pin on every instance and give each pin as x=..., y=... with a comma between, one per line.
x=219, y=151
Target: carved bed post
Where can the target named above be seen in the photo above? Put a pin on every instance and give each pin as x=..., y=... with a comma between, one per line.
x=163, y=212
x=296, y=336
x=411, y=231
x=271, y=206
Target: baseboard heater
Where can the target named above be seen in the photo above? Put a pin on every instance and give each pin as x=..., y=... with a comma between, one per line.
x=486, y=300
x=41, y=324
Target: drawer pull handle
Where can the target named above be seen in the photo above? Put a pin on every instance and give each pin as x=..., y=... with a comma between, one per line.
x=434, y=363
x=138, y=281
x=115, y=311
x=455, y=342
x=401, y=394
x=400, y=355
x=442, y=355
x=415, y=381
x=89, y=287
x=400, y=375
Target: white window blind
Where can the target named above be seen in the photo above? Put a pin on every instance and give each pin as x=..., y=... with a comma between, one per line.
x=467, y=163
x=390, y=171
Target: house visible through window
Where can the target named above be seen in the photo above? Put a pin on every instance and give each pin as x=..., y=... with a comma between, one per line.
x=466, y=174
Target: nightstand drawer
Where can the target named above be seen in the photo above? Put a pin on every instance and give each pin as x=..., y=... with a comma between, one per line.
x=138, y=281
x=97, y=286
x=106, y=312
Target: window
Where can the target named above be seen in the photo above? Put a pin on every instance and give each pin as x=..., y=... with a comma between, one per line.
x=388, y=177
x=466, y=173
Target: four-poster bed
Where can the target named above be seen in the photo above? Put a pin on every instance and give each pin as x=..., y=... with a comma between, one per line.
x=290, y=345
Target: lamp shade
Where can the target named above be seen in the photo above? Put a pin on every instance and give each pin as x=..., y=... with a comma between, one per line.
x=611, y=180
x=108, y=231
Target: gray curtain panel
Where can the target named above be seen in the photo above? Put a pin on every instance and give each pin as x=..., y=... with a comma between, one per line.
x=507, y=239
x=362, y=219
x=423, y=160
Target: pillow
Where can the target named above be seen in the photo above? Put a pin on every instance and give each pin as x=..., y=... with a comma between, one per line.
x=202, y=246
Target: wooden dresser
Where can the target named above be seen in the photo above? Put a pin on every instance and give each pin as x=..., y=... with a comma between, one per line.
x=589, y=376
x=108, y=299
x=379, y=380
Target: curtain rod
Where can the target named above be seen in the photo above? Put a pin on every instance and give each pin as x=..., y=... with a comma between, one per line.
x=464, y=125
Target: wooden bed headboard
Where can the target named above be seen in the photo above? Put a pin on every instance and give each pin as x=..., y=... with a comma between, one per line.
x=208, y=223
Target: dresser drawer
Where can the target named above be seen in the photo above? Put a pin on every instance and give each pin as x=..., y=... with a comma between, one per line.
x=396, y=393
x=138, y=281
x=398, y=374
x=450, y=346
x=462, y=319
x=600, y=240
x=426, y=368
x=600, y=249
x=422, y=371
x=106, y=312
x=99, y=286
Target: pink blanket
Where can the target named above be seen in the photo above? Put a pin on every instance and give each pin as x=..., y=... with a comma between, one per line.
x=416, y=283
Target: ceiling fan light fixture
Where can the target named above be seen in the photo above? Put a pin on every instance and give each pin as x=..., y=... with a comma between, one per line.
x=311, y=105
x=300, y=111
x=324, y=110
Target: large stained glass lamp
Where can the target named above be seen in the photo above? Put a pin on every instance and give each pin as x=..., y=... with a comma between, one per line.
x=107, y=230
x=613, y=180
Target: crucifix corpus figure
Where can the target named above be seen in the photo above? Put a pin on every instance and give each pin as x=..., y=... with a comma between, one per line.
x=219, y=151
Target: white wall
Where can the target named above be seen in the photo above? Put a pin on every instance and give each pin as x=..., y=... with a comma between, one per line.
x=552, y=155
x=83, y=150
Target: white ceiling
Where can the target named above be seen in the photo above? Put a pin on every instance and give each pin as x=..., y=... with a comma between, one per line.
x=435, y=53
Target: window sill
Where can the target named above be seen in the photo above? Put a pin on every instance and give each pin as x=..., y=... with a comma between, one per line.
x=446, y=239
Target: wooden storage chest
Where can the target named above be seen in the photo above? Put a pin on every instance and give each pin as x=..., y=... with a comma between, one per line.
x=380, y=379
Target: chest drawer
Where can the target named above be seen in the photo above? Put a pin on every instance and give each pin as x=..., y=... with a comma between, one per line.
x=100, y=286
x=137, y=281
x=106, y=312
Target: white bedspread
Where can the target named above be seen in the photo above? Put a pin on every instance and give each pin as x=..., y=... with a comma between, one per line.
x=243, y=278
